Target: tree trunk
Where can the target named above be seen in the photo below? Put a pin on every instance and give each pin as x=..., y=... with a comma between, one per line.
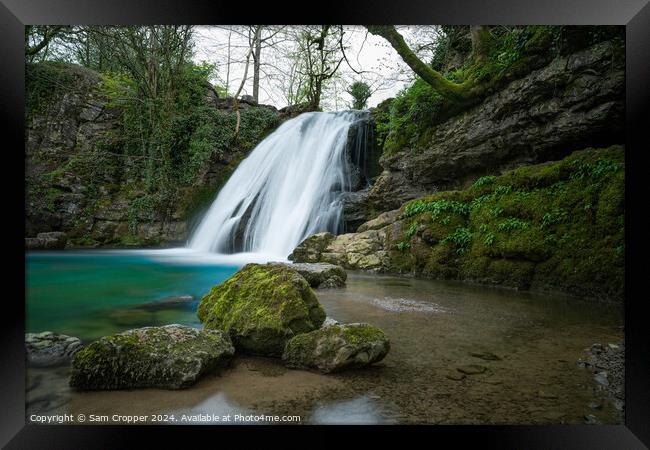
x=243, y=80
x=256, y=66
x=481, y=40
x=227, y=87
x=456, y=92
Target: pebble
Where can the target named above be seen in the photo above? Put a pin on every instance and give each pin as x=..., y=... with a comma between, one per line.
x=487, y=356
x=601, y=378
x=590, y=419
x=472, y=369
x=596, y=349
x=455, y=376
x=543, y=394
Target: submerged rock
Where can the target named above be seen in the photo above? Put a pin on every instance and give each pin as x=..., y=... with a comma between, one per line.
x=337, y=347
x=407, y=305
x=487, y=356
x=168, y=357
x=176, y=301
x=471, y=369
x=261, y=307
x=320, y=275
x=50, y=349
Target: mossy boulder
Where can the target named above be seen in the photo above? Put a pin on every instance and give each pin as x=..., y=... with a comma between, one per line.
x=261, y=307
x=168, y=357
x=337, y=347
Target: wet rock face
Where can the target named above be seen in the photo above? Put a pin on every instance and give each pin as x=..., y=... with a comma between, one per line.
x=261, y=307
x=76, y=173
x=54, y=240
x=574, y=102
x=50, y=349
x=168, y=357
x=364, y=250
x=337, y=347
x=310, y=250
x=380, y=221
x=355, y=209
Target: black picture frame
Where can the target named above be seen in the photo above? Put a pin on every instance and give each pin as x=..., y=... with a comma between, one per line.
x=634, y=14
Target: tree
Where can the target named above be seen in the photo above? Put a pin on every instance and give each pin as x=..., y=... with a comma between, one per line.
x=254, y=37
x=466, y=91
x=320, y=48
x=38, y=38
x=154, y=59
x=360, y=92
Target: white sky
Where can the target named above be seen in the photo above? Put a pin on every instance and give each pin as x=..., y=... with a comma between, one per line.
x=382, y=68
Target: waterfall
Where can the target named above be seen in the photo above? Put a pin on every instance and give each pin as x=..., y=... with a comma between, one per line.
x=289, y=187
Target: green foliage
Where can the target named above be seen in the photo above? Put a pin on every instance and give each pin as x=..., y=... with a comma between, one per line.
x=434, y=207
x=410, y=111
x=410, y=232
x=381, y=115
x=484, y=181
x=403, y=246
x=172, y=138
x=512, y=223
x=556, y=216
x=497, y=193
x=208, y=133
x=596, y=169
x=44, y=82
x=141, y=209
x=360, y=92
x=461, y=238
x=557, y=226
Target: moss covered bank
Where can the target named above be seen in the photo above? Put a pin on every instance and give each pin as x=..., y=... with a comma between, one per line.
x=556, y=226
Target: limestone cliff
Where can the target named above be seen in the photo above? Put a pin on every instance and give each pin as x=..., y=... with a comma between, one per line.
x=570, y=102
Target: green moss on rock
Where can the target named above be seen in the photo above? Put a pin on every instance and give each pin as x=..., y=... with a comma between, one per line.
x=169, y=357
x=337, y=347
x=261, y=307
x=553, y=226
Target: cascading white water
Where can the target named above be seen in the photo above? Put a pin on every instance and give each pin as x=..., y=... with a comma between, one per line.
x=289, y=187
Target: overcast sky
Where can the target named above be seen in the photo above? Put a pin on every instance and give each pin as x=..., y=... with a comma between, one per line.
x=382, y=68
